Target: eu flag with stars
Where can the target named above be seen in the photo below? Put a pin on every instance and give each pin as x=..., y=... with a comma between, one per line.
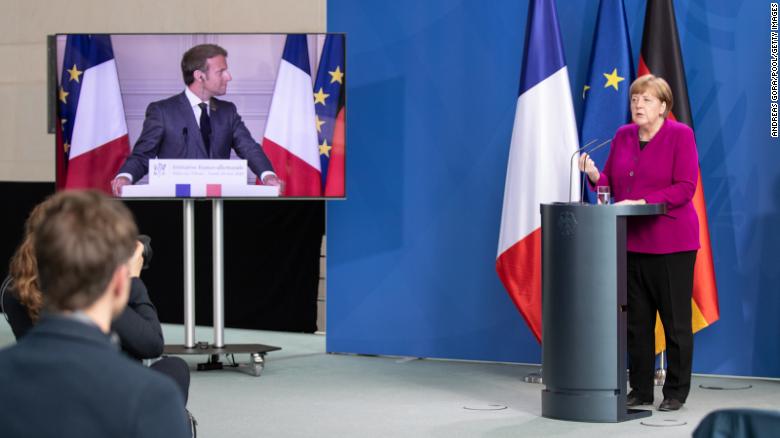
x=606, y=92
x=76, y=54
x=330, y=114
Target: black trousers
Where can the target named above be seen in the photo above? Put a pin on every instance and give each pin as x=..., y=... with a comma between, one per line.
x=662, y=283
x=178, y=370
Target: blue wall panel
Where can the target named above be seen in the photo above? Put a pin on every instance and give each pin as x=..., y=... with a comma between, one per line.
x=431, y=96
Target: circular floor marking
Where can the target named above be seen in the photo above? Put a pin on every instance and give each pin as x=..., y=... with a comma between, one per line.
x=487, y=407
x=667, y=422
x=726, y=386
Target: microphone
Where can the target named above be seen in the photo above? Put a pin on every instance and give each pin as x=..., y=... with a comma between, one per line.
x=184, y=133
x=590, y=151
x=572, y=158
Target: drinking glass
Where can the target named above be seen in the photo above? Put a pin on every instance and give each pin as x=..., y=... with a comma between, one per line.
x=603, y=194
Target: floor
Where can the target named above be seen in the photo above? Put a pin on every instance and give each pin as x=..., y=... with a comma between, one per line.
x=305, y=392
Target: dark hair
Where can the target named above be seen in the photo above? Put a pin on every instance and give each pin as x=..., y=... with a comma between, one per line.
x=195, y=59
x=83, y=237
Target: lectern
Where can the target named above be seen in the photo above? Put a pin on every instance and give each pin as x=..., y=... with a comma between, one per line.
x=584, y=310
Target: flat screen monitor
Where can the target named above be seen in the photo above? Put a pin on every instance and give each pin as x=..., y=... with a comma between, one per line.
x=258, y=116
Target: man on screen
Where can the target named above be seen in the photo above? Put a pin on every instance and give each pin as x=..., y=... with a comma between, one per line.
x=194, y=124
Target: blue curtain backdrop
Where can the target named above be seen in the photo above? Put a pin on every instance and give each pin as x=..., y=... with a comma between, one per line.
x=431, y=95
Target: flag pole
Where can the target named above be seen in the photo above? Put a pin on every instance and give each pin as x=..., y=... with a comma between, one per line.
x=660, y=372
x=535, y=377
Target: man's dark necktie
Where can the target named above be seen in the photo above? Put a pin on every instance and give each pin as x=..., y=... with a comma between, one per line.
x=205, y=127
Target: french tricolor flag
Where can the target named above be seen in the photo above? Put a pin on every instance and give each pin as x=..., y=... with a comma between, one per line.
x=543, y=139
x=290, y=139
x=93, y=130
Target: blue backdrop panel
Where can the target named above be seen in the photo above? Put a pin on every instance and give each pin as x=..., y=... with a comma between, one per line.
x=432, y=87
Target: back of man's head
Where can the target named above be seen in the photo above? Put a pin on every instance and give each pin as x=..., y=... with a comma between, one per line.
x=83, y=238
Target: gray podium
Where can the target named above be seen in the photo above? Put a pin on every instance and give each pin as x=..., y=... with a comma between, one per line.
x=584, y=311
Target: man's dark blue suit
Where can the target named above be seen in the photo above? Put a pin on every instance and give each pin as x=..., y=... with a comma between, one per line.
x=171, y=131
x=67, y=379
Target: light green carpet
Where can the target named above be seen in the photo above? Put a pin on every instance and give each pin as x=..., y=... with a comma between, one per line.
x=304, y=392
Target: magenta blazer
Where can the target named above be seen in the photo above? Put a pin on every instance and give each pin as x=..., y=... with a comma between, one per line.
x=665, y=171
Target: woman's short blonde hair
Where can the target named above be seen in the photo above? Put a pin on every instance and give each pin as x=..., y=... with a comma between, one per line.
x=656, y=86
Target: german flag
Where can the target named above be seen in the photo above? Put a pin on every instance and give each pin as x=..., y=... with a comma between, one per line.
x=661, y=56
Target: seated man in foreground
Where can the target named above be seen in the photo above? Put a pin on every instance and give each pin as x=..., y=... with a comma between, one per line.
x=66, y=377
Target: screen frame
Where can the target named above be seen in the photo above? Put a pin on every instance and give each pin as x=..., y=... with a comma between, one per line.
x=53, y=77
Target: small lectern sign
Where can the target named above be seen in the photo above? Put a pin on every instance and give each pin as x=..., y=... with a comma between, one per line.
x=162, y=171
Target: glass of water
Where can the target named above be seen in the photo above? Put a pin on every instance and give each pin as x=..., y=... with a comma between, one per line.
x=603, y=194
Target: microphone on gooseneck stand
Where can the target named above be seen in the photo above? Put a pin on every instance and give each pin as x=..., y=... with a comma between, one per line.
x=594, y=149
x=572, y=159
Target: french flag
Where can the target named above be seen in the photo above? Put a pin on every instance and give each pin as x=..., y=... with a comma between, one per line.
x=543, y=139
x=93, y=130
x=290, y=139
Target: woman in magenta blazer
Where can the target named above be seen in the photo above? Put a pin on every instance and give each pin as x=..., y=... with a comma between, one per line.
x=654, y=160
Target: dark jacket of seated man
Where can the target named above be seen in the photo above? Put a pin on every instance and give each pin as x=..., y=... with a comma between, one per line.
x=138, y=327
x=78, y=385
